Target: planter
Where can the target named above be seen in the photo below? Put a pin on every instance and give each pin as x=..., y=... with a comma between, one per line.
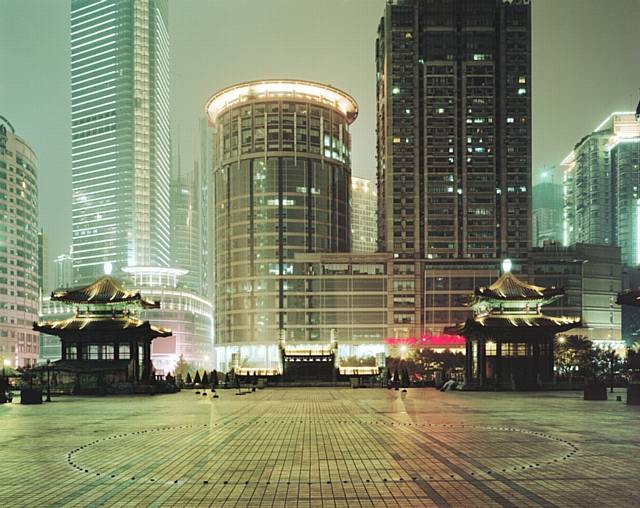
x=30, y=396
x=633, y=394
x=595, y=391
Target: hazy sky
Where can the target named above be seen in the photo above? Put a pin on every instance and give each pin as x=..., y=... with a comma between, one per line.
x=585, y=65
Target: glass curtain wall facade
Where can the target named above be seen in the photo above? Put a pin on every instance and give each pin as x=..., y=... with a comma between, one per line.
x=186, y=244
x=19, y=292
x=601, y=187
x=120, y=134
x=453, y=129
x=282, y=182
x=364, y=206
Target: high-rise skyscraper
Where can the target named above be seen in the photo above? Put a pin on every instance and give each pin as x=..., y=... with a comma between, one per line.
x=546, y=223
x=63, y=270
x=206, y=196
x=43, y=263
x=120, y=134
x=282, y=180
x=454, y=129
x=186, y=246
x=364, y=205
x=602, y=187
x=19, y=247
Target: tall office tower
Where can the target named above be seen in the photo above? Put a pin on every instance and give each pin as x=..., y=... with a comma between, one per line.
x=546, y=198
x=19, y=290
x=282, y=171
x=453, y=128
x=206, y=220
x=364, y=206
x=43, y=263
x=120, y=134
x=63, y=266
x=602, y=187
x=186, y=247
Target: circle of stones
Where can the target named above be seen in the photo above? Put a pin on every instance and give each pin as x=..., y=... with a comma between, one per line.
x=71, y=460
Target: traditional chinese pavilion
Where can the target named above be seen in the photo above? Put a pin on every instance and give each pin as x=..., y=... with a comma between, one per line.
x=508, y=341
x=105, y=347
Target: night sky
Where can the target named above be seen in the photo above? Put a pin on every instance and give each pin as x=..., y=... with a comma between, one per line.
x=585, y=66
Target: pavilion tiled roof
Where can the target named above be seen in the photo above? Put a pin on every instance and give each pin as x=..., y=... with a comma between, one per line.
x=104, y=291
x=101, y=327
x=497, y=323
x=510, y=287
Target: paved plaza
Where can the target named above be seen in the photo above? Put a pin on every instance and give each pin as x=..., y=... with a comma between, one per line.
x=312, y=447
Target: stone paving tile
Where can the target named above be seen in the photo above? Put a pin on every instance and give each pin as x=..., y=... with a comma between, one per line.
x=321, y=448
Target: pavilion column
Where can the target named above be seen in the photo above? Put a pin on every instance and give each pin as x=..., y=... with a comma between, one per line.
x=551, y=356
x=64, y=350
x=538, y=364
x=468, y=366
x=136, y=361
x=497, y=375
x=482, y=363
x=147, y=360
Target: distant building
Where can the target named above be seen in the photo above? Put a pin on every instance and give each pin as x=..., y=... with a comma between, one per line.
x=602, y=187
x=364, y=220
x=206, y=206
x=186, y=244
x=182, y=310
x=454, y=129
x=592, y=277
x=120, y=135
x=43, y=263
x=546, y=221
x=20, y=247
x=63, y=271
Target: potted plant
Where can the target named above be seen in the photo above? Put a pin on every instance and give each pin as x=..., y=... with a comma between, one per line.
x=595, y=387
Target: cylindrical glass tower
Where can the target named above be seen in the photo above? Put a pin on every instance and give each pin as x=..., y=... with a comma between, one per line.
x=19, y=344
x=282, y=180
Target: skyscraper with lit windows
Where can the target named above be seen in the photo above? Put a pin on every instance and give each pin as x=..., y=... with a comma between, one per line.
x=454, y=130
x=364, y=205
x=602, y=187
x=120, y=134
x=19, y=249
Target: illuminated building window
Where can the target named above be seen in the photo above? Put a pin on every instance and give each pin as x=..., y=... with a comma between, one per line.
x=124, y=352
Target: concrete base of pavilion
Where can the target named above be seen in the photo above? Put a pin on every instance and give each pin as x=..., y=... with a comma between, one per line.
x=99, y=377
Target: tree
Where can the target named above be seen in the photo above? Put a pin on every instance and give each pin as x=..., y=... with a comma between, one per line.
x=405, y=377
x=205, y=379
x=214, y=378
x=181, y=370
x=189, y=381
x=197, y=380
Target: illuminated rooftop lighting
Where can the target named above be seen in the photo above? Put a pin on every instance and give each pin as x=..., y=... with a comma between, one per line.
x=506, y=265
x=107, y=267
x=276, y=88
x=156, y=270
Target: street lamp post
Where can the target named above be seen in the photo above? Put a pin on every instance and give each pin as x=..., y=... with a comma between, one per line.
x=612, y=359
